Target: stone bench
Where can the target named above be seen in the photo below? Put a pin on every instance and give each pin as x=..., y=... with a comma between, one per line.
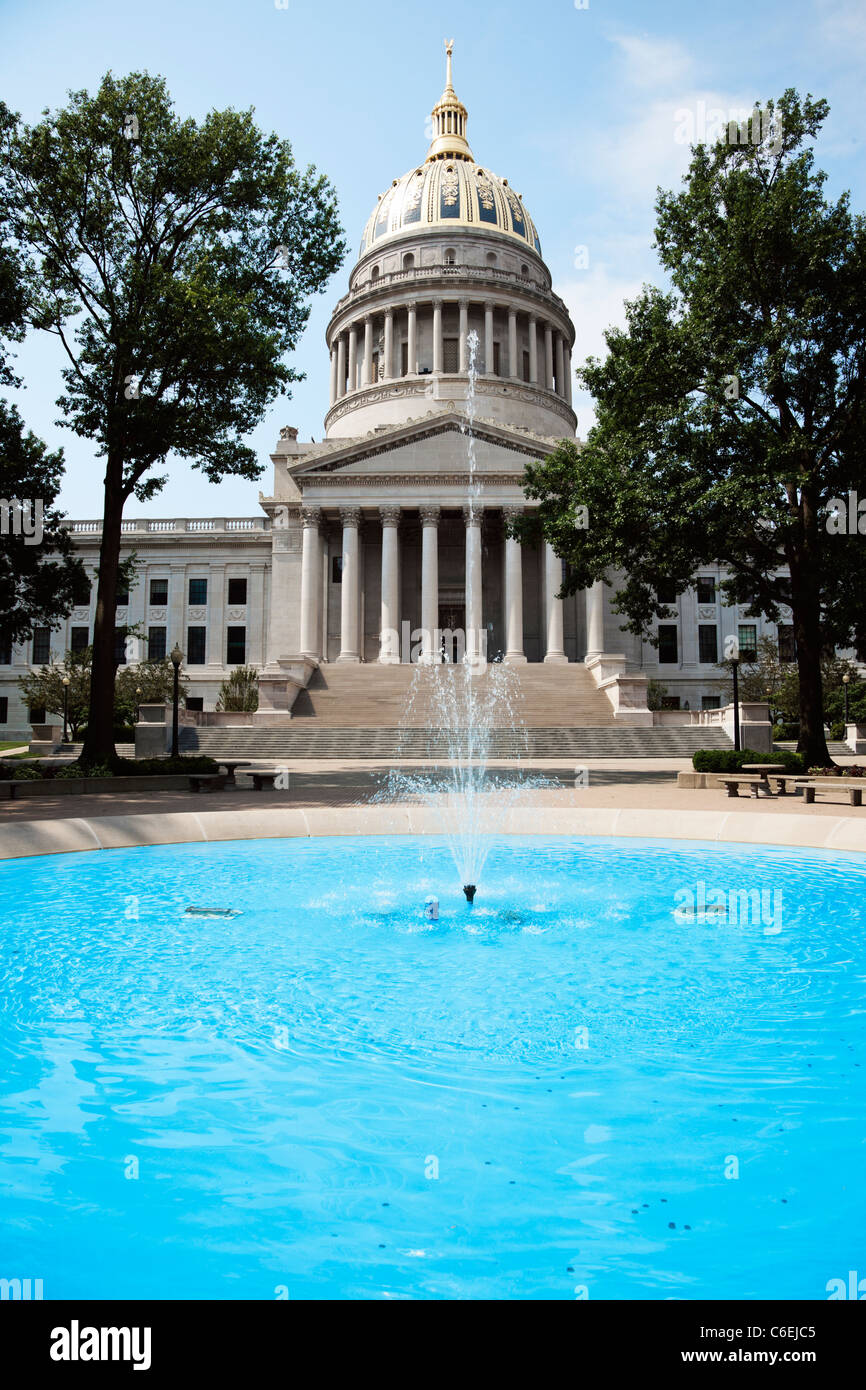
x=741, y=779
x=854, y=788
x=207, y=781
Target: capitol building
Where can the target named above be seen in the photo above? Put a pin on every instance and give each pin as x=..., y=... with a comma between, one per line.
x=450, y=369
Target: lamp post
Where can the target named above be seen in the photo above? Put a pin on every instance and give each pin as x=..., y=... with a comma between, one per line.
x=66, y=708
x=846, y=679
x=735, y=667
x=137, y=703
x=176, y=659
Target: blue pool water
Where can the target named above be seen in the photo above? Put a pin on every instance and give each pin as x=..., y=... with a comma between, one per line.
x=574, y=1088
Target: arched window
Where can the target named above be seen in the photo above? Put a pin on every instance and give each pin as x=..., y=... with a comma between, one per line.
x=524, y=269
x=450, y=257
x=491, y=258
x=408, y=261
x=374, y=273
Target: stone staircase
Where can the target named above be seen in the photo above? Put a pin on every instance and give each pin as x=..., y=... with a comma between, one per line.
x=364, y=712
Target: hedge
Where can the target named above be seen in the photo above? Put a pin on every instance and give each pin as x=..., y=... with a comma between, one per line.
x=732, y=759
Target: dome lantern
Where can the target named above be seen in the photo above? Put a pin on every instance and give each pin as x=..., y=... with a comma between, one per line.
x=449, y=120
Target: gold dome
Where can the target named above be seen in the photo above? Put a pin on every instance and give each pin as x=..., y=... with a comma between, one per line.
x=449, y=189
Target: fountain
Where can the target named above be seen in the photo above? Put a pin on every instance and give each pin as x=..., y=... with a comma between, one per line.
x=461, y=703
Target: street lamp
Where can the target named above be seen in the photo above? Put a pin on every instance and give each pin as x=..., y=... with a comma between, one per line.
x=846, y=679
x=176, y=659
x=66, y=708
x=735, y=667
x=137, y=703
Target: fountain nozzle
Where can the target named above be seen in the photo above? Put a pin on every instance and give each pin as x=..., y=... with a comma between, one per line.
x=469, y=890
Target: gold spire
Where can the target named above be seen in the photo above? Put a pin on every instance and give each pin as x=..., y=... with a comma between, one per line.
x=449, y=120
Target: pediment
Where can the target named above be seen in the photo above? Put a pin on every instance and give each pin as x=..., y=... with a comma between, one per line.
x=437, y=444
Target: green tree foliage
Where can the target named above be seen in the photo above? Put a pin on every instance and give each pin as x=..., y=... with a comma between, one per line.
x=240, y=691
x=155, y=681
x=174, y=260
x=731, y=408
x=44, y=688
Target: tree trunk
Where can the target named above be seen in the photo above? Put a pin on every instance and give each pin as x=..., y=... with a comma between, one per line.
x=807, y=633
x=99, y=739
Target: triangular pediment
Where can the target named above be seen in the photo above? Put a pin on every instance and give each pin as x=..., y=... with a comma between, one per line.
x=437, y=443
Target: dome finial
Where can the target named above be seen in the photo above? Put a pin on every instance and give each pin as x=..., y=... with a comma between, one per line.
x=449, y=49
x=449, y=119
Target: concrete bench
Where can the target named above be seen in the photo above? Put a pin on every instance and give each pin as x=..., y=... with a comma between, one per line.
x=263, y=777
x=735, y=780
x=854, y=789
x=207, y=781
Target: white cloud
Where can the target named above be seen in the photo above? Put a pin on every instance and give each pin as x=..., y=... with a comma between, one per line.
x=656, y=63
x=843, y=23
x=595, y=302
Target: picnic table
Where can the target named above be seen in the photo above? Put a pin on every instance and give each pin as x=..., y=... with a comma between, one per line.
x=779, y=774
x=230, y=765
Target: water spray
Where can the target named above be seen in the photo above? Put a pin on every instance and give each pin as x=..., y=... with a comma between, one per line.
x=469, y=890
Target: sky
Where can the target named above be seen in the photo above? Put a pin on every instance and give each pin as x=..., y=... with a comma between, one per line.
x=581, y=104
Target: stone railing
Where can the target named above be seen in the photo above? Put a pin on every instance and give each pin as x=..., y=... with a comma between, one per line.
x=176, y=526
x=626, y=693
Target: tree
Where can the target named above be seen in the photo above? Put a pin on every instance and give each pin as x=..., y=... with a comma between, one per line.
x=155, y=680
x=240, y=691
x=731, y=409
x=173, y=260
x=34, y=590
x=44, y=688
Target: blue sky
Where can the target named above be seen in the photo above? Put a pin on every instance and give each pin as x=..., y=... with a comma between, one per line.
x=577, y=107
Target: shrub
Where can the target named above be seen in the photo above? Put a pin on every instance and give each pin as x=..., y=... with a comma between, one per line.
x=853, y=771
x=787, y=733
x=165, y=767
x=837, y=732
x=25, y=772
x=732, y=759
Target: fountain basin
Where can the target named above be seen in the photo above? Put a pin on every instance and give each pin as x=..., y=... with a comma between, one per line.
x=333, y=1095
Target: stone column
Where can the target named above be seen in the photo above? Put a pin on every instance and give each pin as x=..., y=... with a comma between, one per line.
x=437, y=335
x=594, y=598
x=514, y=654
x=353, y=358
x=429, y=584
x=464, y=336
x=341, y=366
x=256, y=616
x=488, y=339
x=566, y=361
x=548, y=356
x=310, y=581
x=512, y=344
x=333, y=374
x=216, y=625
x=368, y=351
x=323, y=591
x=389, y=345
x=475, y=653
x=560, y=366
x=533, y=349
x=555, y=654
x=412, y=340
x=389, y=639
x=349, y=596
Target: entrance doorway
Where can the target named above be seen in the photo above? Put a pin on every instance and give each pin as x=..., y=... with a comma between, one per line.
x=452, y=621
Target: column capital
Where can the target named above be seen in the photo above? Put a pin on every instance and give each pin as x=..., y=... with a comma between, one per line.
x=438, y=303
x=350, y=516
x=473, y=513
x=463, y=302
x=390, y=514
x=513, y=513
x=488, y=306
x=430, y=515
x=311, y=516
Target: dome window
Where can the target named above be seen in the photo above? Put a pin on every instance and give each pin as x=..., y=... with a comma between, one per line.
x=491, y=258
x=524, y=269
x=374, y=273
x=450, y=256
x=408, y=261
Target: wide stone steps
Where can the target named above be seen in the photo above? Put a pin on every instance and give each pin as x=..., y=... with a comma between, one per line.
x=386, y=744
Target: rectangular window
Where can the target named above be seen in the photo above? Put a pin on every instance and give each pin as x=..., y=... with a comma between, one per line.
x=195, y=646
x=336, y=569
x=121, y=598
x=79, y=638
x=237, y=591
x=711, y=702
x=666, y=592
x=120, y=646
x=158, y=593
x=41, y=646
x=496, y=356
x=706, y=587
x=404, y=359
x=747, y=635
x=451, y=355
x=4, y=709
x=236, y=646
x=156, y=643
x=81, y=592
x=197, y=592
x=787, y=645
x=5, y=651
x=526, y=366
x=667, y=644
x=194, y=702
x=708, y=644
